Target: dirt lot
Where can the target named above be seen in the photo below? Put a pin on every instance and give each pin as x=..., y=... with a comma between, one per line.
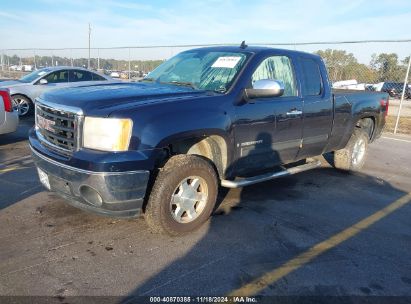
x=319, y=233
x=404, y=125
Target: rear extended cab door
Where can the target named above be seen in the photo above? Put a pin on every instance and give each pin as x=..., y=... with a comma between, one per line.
x=317, y=106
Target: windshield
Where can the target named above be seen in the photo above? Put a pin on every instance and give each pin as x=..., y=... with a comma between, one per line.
x=34, y=75
x=200, y=69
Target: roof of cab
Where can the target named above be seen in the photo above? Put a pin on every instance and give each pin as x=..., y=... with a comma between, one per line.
x=253, y=50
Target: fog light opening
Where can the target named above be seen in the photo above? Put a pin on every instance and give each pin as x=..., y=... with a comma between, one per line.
x=91, y=195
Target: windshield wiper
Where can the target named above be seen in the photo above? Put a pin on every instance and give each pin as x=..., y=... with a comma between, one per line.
x=181, y=83
x=148, y=79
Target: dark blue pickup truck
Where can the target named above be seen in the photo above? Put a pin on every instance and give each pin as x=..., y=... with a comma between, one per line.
x=209, y=117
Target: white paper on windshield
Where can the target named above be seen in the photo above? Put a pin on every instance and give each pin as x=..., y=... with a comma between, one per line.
x=226, y=62
x=41, y=73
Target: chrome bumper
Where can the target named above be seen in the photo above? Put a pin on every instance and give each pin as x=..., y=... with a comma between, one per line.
x=116, y=194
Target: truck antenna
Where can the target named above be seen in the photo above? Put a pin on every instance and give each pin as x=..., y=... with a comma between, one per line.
x=243, y=45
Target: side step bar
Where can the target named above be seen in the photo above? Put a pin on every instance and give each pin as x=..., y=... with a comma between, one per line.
x=265, y=177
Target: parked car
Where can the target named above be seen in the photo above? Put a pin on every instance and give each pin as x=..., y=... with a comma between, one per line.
x=394, y=89
x=229, y=116
x=115, y=74
x=26, y=89
x=9, y=119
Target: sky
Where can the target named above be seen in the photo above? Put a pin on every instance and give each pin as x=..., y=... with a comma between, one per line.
x=64, y=24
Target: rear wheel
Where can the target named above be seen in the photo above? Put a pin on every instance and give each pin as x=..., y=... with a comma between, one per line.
x=183, y=195
x=22, y=105
x=352, y=157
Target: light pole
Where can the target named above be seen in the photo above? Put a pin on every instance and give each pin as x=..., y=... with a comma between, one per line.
x=405, y=87
x=129, y=64
x=35, y=63
x=89, y=36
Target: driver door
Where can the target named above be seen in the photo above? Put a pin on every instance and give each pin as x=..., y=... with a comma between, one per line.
x=268, y=131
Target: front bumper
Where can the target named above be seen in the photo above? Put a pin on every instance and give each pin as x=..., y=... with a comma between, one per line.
x=115, y=194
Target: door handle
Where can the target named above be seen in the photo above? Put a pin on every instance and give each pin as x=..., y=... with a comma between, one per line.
x=294, y=112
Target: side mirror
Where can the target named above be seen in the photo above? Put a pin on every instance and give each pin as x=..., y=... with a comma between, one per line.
x=43, y=81
x=265, y=88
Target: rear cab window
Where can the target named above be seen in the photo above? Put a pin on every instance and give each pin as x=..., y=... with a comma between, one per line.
x=312, y=81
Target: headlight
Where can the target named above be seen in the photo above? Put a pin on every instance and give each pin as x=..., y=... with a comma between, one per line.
x=107, y=134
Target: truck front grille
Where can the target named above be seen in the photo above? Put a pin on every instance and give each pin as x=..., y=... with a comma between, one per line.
x=57, y=129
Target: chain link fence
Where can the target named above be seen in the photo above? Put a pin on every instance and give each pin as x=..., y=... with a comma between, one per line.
x=353, y=65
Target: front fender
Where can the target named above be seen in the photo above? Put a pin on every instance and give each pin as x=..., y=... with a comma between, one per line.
x=156, y=126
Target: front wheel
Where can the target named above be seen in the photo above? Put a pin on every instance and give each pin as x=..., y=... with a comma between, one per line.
x=183, y=195
x=352, y=157
x=22, y=105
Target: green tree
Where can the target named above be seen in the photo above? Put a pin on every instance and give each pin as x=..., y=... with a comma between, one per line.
x=388, y=67
x=344, y=66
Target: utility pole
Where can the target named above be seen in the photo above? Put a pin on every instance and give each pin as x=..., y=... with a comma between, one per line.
x=35, y=63
x=129, y=64
x=89, y=38
x=402, y=95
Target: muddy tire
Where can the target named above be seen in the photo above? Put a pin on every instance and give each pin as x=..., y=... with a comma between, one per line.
x=183, y=195
x=353, y=156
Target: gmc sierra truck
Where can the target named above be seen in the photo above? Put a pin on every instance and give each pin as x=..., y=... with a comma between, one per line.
x=209, y=117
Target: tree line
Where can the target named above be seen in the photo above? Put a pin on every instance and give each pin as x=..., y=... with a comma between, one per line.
x=105, y=64
x=382, y=67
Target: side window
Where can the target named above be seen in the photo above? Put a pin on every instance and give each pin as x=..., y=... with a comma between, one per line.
x=57, y=77
x=277, y=68
x=97, y=77
x=77, y=75
x=311, y=77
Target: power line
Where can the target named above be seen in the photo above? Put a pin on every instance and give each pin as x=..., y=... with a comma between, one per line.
x=211, y=44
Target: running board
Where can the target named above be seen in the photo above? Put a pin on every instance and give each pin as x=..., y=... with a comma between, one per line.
x=265, y=177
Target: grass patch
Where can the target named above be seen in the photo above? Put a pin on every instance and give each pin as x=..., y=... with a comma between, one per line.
x=404, y=126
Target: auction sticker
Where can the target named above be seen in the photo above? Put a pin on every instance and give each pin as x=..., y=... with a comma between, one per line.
x=226, y=62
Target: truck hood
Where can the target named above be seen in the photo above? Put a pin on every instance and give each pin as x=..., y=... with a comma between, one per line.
x=101, y=100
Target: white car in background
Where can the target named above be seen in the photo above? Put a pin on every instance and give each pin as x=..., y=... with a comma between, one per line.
x=9, y=119
x=26, y=89
x=115, y=74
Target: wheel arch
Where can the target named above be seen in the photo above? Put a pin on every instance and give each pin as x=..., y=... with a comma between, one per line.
x=212, y=147
x=22, y=94
x=367, y=123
